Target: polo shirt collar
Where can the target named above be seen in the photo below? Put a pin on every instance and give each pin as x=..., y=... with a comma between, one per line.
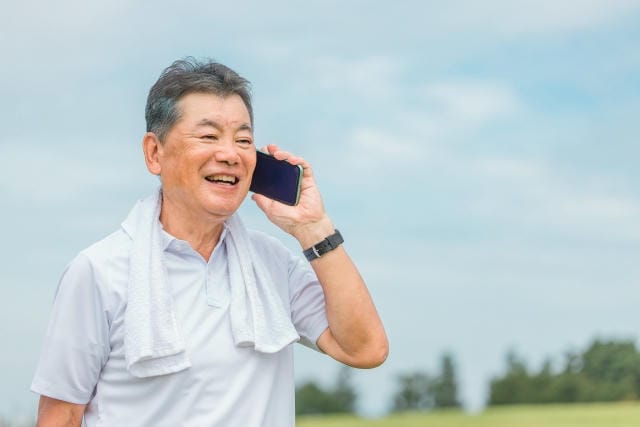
x=129, y=225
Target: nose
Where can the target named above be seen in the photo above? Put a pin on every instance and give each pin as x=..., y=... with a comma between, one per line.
x=227, y=153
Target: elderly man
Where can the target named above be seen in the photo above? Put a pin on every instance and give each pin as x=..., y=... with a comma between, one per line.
x=183, y=317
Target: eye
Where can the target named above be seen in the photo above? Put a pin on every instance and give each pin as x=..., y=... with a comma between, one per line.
x=209, y=137
x=244, y=141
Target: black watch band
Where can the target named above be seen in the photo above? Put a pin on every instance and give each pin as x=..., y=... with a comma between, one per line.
x=327, y=245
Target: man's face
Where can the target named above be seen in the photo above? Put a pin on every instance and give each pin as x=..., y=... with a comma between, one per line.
x=208, y=157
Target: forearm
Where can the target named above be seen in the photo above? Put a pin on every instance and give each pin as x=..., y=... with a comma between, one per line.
x=353, y=319
x=354, y=323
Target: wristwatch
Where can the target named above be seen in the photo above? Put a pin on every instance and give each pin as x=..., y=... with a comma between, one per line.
x=327, y=245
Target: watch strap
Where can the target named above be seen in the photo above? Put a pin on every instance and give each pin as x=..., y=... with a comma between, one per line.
x=321, y=248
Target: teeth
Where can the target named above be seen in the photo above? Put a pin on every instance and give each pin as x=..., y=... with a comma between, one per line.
x=228, y=179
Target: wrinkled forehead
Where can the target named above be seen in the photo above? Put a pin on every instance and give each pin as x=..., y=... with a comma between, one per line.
x=211, y=110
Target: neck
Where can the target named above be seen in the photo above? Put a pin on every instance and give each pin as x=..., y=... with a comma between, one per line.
x=202, y=235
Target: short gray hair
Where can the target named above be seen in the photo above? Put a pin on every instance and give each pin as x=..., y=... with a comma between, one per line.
x=187, y=76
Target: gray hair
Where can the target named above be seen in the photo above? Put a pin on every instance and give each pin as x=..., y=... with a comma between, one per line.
x=187, y=76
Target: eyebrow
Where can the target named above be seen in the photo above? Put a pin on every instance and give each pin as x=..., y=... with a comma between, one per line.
x=211, y=123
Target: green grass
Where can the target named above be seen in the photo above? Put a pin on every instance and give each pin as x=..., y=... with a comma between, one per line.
x=589, y=415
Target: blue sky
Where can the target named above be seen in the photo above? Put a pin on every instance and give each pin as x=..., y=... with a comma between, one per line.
x=480, y=159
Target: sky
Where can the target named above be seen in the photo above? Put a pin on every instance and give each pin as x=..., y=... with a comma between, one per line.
x=479, y=159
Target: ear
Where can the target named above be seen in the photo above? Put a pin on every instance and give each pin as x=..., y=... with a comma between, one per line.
x=152, y=149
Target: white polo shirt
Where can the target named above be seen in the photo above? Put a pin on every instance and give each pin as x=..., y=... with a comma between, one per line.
x=83, y=355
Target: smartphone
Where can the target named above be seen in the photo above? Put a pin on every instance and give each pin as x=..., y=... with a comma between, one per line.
x=277, y=179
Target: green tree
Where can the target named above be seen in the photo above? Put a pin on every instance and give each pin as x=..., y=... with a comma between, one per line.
x=445, y=386
x=605, y=371
x=414, y=392
x=344, y=394
x=513, y=386
x=615, y=366
x=312, y=399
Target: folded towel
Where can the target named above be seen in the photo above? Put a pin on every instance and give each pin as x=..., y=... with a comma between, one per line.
x=154, y=344
x=258, y=318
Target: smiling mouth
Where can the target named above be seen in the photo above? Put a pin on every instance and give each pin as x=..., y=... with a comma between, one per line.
x=222, y=179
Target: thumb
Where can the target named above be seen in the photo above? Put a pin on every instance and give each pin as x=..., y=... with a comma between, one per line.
x=263, y=202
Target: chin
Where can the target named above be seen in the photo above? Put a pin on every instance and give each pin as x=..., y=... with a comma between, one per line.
x=224, y=208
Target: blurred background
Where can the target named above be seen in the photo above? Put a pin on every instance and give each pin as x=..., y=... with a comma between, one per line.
x=480, y=158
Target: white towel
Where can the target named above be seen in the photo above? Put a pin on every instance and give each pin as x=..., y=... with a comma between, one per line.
x=258, y=318
x=154, y=344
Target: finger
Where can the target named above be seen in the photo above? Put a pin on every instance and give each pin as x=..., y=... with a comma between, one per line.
x=263, y=202
x=275, y=151
x=281, y=155
x=291, y=158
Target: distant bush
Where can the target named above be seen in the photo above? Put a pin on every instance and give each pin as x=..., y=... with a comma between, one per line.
x=604, y=372
x=421, y=391
x=312, y=399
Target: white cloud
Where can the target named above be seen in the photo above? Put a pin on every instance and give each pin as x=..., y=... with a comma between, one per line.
x=509, y=168
x=61, y=173
x=380, y=144
x=472, y=102
x=418, y=134
x=538, y=194
x=614, y=208
x=528, y=17
x=367, y=77
x=498, y=187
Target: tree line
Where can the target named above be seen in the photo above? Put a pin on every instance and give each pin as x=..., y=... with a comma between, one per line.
x=604, y=371
x=416, y=391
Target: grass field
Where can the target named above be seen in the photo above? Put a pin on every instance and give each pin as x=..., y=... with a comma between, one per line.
x=591, y=415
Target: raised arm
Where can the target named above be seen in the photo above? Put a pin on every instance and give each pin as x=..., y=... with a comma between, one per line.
x=58, y=413
x=355, y=335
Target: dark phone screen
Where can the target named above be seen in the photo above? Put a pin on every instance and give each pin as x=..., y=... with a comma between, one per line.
x=276, y=179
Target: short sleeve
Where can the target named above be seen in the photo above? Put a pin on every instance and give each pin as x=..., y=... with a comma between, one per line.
x=76, y=344
x=308, y=311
